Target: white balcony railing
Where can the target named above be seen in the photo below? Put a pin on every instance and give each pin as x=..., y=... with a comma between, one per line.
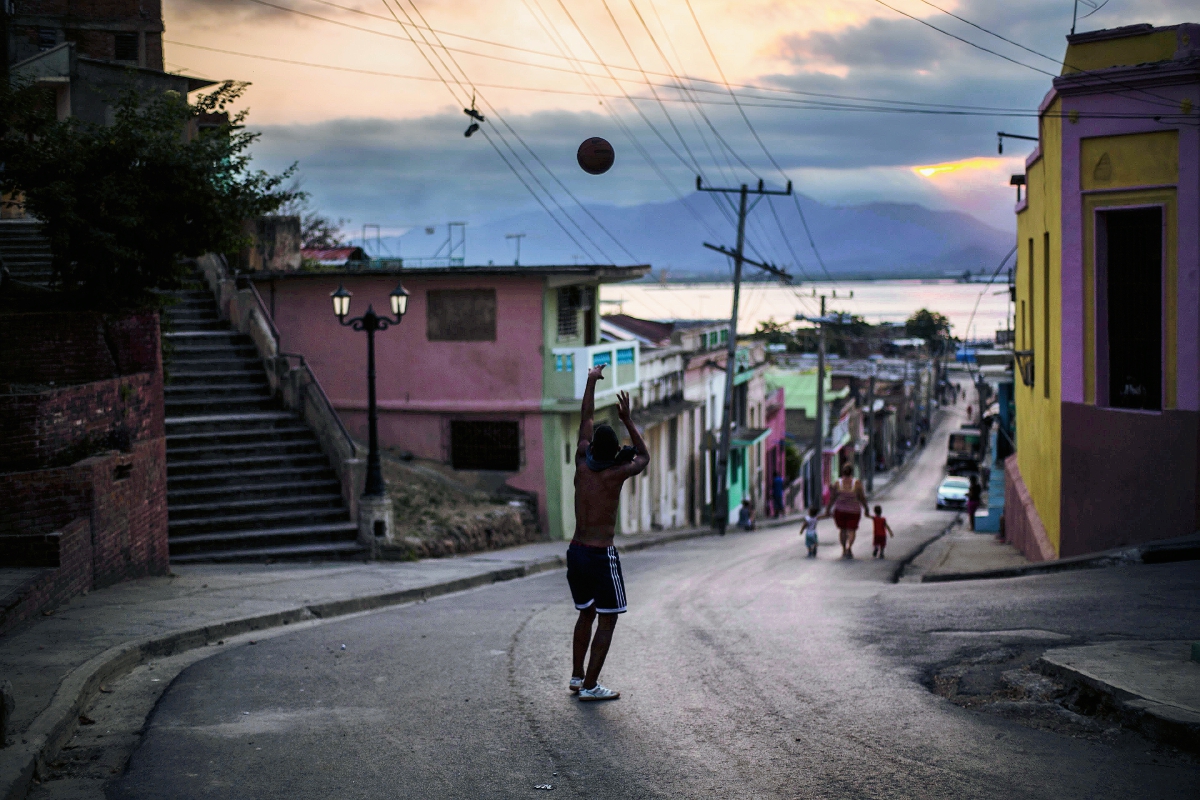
x=571, y=364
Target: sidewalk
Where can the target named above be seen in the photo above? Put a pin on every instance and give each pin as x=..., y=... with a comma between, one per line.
x=58, y=663
x=962, y=553
x=1154, y=687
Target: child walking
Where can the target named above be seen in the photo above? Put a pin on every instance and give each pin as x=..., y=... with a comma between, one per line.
x=809, y=528
x=882, y=531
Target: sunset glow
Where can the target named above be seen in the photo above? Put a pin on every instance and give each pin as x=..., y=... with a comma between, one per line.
x=974, y=164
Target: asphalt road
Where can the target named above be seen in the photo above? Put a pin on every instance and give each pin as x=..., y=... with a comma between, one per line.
x=746, y=669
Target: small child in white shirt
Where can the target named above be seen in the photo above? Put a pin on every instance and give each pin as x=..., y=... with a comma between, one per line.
x=809, y=528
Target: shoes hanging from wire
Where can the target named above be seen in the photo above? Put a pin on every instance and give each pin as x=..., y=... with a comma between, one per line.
x=475, y=115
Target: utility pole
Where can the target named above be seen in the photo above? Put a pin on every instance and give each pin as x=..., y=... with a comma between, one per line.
x=518, y=237
x=721, y=500
x=819, y=433
x=870, y=465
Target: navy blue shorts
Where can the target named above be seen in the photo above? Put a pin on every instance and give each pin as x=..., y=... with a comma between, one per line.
x=594, y=574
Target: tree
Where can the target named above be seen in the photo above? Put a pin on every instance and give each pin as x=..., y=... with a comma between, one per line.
x=928, y=325
x=844, y=338
x=123, y=203
x=317, y=231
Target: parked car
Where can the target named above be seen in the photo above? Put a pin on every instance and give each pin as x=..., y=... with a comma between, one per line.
x=953, y=492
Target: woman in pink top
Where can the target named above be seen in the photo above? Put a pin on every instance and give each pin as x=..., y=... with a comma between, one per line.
x=845, y=502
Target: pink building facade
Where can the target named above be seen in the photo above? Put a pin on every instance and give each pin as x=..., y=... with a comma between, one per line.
x=480, y=378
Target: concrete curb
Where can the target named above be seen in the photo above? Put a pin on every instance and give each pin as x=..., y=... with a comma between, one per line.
x=1186, y=548
x=907, y=561
x=55, y=726
x=1164, y=723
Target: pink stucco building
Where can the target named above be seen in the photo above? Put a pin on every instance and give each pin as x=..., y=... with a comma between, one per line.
x=483, y=376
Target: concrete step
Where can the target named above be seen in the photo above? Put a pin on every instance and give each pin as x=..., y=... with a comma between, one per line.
x=287, y=486
x=259, y=505
x=186, y=325
x=216, y=405
x=187, y=355
x=278, y=461
x=277, y=447
x=311, y=552
x=242, y=375
x=231, y=422
x=255, y=538
x=214, y=441
x=182, y=316
x=245, y=478
x=178, y=392
x=184, y=340
x=223, y=364
x=261, y=521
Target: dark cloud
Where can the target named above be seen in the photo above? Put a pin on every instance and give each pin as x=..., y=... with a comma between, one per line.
x=423, y=170
x=877, y=44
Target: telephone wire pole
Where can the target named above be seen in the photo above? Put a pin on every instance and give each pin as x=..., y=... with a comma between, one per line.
x=721, y=500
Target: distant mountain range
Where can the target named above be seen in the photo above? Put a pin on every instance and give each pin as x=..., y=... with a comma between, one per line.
x=874, y=240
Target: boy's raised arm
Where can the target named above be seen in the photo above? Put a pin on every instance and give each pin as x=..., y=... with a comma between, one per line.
x=641, y=457
x=588, y=409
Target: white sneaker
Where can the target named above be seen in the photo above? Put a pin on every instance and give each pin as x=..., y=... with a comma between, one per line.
x=576, y=684
x=598, y=692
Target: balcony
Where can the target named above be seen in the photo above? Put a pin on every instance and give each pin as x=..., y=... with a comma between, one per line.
x=567, y=373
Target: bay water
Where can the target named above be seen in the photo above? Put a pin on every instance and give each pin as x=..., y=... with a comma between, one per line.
x=975, y=310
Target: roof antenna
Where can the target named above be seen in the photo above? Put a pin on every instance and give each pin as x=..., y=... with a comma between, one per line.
x=473, y=114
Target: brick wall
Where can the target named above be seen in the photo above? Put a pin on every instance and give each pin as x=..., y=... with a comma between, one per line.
x=87, y=453
x=61, y=426
x=49, y=587
x=45, y=348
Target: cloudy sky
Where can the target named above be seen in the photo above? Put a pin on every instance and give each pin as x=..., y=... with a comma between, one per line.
x=380, y=138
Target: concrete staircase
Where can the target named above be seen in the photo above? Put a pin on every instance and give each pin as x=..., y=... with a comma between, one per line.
x=25, y=252
x=246, y=479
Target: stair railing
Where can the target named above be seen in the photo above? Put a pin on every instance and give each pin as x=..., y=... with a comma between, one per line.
x=239, y=301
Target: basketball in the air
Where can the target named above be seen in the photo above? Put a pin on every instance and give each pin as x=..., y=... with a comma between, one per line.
x=595, y=156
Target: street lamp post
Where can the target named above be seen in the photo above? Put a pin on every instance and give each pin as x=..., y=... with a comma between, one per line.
x=371, y=322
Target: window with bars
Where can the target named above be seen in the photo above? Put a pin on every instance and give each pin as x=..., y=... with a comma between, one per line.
x=485, y=445
x=47, y=38
x=460, y=315
x=125, y=46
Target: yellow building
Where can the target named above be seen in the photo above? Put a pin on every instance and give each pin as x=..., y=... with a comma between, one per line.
x=1107, y=300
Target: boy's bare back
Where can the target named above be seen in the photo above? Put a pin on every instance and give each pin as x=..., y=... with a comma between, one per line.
x=598, y=492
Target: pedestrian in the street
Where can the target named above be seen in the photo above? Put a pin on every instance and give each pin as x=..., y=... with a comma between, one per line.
x=809, y=529
x=777, y=494
x=593, y=566
x=974, y=499
x=882, y=531
x=746, y=515
x=846, y=498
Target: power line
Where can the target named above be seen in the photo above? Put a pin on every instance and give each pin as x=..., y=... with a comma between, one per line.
x=507, y=163
x=559, y=42
x=670, y=121
x=536, y=157
x=812, y=243
x=970, y=110
x=1019, y=114
x=1169, y=102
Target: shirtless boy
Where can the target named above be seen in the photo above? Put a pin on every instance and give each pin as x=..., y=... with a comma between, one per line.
x=593, y=567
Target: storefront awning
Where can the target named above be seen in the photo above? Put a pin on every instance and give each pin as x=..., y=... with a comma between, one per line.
x=743, y=437
x=659, y=413
x=748, y=437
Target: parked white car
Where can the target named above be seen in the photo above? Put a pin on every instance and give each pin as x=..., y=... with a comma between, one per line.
x=953, y=492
